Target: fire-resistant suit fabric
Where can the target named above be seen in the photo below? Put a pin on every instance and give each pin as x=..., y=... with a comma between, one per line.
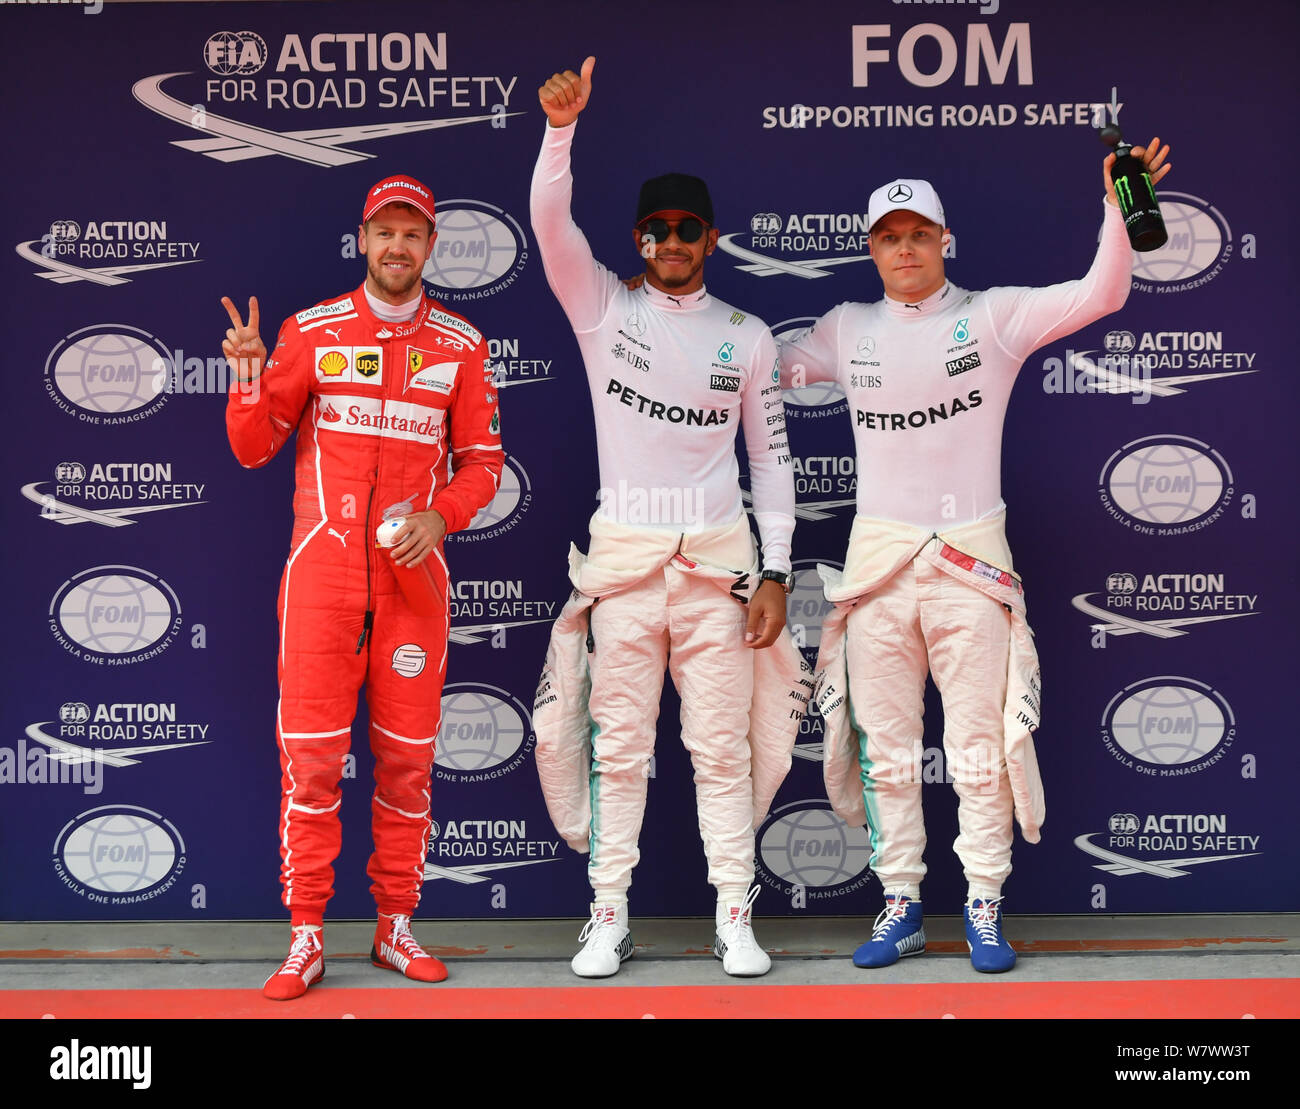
x=380, y=408
x=909, y=601
x=645, y=598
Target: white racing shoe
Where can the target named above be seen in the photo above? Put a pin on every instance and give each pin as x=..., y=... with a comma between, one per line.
x=734, y=942
x=606, y=942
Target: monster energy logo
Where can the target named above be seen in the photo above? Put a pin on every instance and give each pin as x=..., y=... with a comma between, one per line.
x=1124, y=191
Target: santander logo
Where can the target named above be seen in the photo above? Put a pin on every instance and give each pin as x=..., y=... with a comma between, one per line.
x=390, y=419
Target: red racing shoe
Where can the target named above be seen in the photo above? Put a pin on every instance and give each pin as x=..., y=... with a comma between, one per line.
x=304, y=966
x=395, y=949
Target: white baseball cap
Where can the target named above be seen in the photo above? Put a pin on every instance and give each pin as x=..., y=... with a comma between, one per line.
x=906, y=193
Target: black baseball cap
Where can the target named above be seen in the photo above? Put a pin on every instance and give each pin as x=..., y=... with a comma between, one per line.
x=674, y=192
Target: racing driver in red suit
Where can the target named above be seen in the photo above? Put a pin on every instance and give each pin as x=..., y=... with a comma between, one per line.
x=384, y=386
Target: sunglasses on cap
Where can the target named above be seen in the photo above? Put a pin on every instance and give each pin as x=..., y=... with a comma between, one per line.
x=689, y=229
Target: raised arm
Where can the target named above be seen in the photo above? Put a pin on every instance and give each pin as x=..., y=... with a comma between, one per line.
x=267, y=396
x=1026, y=319
x=581, y=284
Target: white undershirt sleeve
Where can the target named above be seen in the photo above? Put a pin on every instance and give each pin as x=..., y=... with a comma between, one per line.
x=1026, y=319
x=812, y=354
x=771, y=473
x=581, y=284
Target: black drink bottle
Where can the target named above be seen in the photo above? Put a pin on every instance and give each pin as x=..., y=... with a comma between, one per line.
x=1137, y=196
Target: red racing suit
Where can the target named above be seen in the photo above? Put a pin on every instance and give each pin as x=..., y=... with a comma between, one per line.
x=379, y=407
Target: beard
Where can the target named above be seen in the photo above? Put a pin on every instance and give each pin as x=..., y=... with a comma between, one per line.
x=394, y=285
x=676, y=276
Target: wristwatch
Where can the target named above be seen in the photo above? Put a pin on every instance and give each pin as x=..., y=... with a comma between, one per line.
x=784, y=580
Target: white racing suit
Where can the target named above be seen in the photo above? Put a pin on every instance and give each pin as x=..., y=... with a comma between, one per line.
x=911, y=601
x=644, y=599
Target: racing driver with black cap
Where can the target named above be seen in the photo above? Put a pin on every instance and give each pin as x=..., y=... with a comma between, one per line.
x=671, y=577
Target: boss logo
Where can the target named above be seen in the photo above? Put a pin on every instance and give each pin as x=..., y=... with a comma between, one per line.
x=964, y=363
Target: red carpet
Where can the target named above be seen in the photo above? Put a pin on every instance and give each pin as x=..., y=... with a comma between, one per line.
x=1227, y=999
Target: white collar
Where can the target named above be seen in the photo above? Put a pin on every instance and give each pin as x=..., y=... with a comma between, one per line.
x=394, y=313
x=932, y=303
x=672, y=303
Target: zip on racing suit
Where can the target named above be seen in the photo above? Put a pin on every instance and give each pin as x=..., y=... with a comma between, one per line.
x=380, y=408
x=928, y=386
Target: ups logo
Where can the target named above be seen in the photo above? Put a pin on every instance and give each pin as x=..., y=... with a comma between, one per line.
x=367, y=363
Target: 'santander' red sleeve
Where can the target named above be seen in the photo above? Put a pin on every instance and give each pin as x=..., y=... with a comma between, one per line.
x=474, y=439
x=262, y=414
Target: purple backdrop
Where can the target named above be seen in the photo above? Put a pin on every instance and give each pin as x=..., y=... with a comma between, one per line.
x=166, y=155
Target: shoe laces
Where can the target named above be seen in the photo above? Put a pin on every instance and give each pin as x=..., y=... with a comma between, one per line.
x=400, y=937
x=983, y=917
x=604, y=919
x=306, y=946
x=738, y=920
x=894, y=911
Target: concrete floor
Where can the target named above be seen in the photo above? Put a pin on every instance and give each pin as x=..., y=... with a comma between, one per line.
x=495, y=953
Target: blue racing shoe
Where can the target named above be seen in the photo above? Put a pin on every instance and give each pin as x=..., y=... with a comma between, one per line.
x=989, y=951
x=899, y=930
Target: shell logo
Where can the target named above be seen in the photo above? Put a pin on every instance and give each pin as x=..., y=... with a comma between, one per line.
x=332, y=364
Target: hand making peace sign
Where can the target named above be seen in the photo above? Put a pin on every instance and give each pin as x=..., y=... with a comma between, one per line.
x=243, y=346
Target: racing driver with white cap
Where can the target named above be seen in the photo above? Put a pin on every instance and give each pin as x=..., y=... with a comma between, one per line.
x=928, y=582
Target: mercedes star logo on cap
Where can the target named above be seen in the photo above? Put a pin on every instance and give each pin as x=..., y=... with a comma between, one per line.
x=900, y=192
